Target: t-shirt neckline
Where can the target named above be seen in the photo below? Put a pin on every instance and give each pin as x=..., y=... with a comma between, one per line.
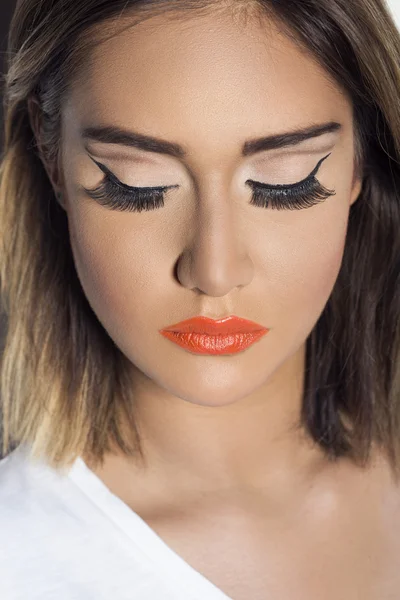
x=164, y=558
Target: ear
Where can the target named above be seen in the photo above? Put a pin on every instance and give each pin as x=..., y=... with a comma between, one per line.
x=51, y=167
x=356, y=187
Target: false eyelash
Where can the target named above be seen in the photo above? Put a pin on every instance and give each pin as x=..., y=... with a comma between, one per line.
x=114, y=194
x=309, y=193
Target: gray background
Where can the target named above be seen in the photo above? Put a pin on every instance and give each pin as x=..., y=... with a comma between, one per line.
x=6, y=9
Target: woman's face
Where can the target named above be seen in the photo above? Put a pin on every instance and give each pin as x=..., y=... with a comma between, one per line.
x=210, y=85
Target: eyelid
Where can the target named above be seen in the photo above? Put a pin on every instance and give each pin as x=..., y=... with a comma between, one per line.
x=268, y=186
x=125, y=186
x=286, y=186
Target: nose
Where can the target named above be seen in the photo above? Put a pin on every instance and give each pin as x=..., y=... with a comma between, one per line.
x=215, y=261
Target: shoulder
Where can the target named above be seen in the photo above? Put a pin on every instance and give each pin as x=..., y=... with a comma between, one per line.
x=22, y=497
x=16, y=487
x=33, y=505
x=23, y=482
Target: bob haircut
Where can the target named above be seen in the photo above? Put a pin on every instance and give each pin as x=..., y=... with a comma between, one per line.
x=64, y=384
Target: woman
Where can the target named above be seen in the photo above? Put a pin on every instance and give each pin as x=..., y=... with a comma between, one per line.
x=200, y=207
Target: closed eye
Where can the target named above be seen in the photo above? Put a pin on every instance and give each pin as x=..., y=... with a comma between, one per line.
x=117, y=195
x=288, y=186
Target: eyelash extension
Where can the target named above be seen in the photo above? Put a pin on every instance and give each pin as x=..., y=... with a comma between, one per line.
x=293, y=196
x=111, y=195
x=114, y=194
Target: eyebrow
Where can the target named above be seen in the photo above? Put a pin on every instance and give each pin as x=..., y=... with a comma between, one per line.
x=132, y=139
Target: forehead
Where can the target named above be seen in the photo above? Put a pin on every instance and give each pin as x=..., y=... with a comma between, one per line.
x=203, y=80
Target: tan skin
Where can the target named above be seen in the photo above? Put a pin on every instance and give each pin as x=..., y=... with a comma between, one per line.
x=228, y=483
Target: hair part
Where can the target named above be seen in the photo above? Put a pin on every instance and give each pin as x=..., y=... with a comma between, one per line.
x=65, y=387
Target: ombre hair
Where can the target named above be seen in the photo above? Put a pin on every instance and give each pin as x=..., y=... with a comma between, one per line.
x=64, y=385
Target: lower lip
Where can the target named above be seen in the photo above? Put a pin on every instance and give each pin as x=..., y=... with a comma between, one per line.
x=201, y=343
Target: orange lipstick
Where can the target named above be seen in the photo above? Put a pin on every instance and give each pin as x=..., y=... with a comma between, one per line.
x=203, y=335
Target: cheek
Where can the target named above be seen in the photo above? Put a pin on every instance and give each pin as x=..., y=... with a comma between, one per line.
x=119, y=265
x=317, y=266
x=305, y=271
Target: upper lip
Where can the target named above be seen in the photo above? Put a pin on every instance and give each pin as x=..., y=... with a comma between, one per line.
x=205, y=325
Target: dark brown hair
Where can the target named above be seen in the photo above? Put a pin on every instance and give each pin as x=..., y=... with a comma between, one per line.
x=64, y=383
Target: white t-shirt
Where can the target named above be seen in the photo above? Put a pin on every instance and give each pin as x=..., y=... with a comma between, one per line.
x=66, y=536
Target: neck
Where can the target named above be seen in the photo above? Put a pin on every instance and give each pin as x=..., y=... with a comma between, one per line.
x=253, y=442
